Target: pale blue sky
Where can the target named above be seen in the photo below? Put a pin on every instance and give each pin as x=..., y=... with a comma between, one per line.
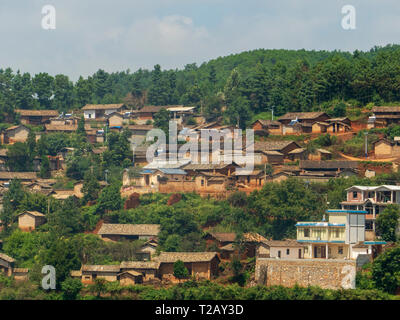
x=121, y=34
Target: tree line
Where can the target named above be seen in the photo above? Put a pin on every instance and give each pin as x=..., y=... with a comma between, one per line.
x=235, y=86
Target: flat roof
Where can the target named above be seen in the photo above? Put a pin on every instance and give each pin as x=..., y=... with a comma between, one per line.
x=345, y=211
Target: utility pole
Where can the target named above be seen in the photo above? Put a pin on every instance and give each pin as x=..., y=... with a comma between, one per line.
x=272, y=112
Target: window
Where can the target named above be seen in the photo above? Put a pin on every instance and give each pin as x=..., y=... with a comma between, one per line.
x=279, y=253
x=306, y=233
x=355, y=194
x=202, y=183
x=337, y=233
x=287, y=251
x=340, y=250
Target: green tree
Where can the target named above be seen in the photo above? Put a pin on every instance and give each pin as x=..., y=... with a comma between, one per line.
x=71, y=288
x=91, y=187
x=43, y=87
x=386, y=270
x=161, y=120
x=18, y=158
x=110, y=199
x=387, y=222
x=45, y=172
x=180, y=271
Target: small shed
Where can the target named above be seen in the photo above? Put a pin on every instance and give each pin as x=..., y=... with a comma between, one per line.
x=30, y=220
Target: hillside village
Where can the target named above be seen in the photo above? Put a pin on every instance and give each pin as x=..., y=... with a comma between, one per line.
x=319, y=207
x=346, y=237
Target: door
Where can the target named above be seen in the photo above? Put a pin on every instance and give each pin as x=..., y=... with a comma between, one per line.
x=299, y=253
x=323, y=252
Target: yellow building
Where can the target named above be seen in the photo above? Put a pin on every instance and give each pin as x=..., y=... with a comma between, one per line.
x=332, y=239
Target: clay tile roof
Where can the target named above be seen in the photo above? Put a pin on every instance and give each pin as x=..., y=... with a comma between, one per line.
x=276, y=145
x=301, y=115
x=7, y=258
x=129, y=229
x=331, y=164
x=152, y=109
x=228, y=247
x=205, y=166
x=253, y=237
x=36, y=113
x=103, y=106
x=76, y=273
x=15, y=127
x=386, y=109
x=267, y=123
x=298, y=150
x=171, y=257
x=18, y=175
x=20, y=270
x=101, y=268
x=224, y=236
x=54, y=127
x=140, y=265
x=273, y=153
x=131, y=272
x=33, y=213
x=142, y=127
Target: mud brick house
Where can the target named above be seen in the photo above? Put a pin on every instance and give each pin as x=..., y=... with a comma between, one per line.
x=320, y=154
x=36, y=117
x=202, y=265
x=226, y=169
x=147, y=112
x=148, y=269
x=150, y=247
x=301, y=122
x=338, y=125
x=127, y=278
x=298, y=154
x=115, y=119
x=267, y=127
x=385, y=148
x=328, y=169
x=23, y=176
x=384, y=116
x=15, y=134
x=100, y=111
x=116, y=232
x=273, y=151
x=139, y=132
x=250, y=179
x=281, y=249
x=139, y=156
x=219, y=239
x=65, y=127
x=91, y=272
x=30, y=220
x=6, y=265
x=372, y=199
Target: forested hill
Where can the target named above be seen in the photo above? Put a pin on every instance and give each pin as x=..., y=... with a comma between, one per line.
x=247, y=83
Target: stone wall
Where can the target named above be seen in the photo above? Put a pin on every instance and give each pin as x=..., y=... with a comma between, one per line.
x=327, y=274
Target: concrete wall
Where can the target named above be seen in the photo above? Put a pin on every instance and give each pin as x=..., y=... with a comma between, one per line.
x=327, y=274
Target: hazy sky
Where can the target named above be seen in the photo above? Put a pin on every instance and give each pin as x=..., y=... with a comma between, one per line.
x=119, y=34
